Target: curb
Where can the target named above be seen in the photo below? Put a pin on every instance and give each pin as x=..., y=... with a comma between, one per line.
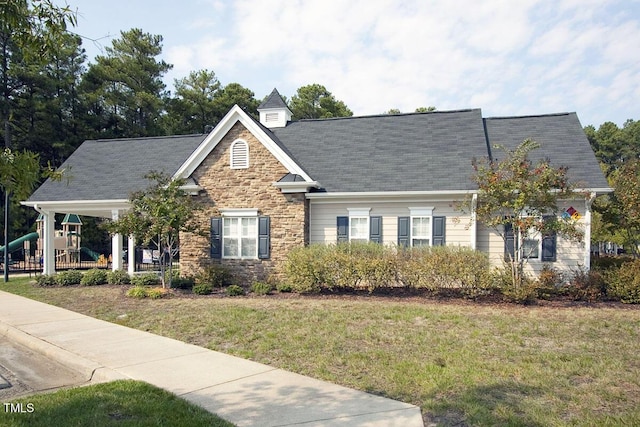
x=92, y=371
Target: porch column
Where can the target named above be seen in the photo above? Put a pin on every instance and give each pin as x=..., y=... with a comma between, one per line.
x=116, y=246
x=48, y=239
x=131, y=253
x=473, y=228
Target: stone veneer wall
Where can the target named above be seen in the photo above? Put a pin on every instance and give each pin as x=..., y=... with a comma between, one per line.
x=245, y=188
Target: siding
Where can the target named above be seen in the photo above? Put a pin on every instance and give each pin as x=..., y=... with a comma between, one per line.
x=323, y=219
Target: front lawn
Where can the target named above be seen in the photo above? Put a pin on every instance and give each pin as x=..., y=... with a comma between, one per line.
x=118, y=403
x=462, y=363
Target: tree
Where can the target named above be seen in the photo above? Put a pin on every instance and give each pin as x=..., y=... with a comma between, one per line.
x=316, y=102
x=517, y=197
x=235, y=94
x=157, y=216
x=125, y=87
x=28, y=30
x=613, y=145
x=193, y=107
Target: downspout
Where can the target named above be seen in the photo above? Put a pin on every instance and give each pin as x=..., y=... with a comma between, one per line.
x=474, y=222
x=587, y=230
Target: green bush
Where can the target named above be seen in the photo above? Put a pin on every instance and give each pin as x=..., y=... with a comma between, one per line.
x=549, y=283
x=94, y=277
x=145, y=279
x=182, y=282
x=118, y=277
x=305, y=268
x=202, y=288
x=69, y=278
x=623, y=283
x=523, y=293
x=155, y=293
x=284, y=287
x=234, y=290
x=46, y=280
x=261, y=288
x=137, y=292
x=586, y=285
x=215, y=274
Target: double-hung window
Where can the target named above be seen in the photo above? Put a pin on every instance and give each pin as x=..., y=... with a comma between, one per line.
x=240, y=234
x=421, y=228
x=534, y=245
x=240, y=237
x=420, y=231
x=359, y=226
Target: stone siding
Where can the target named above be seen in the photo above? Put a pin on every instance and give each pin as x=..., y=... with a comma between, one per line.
x=226, y=188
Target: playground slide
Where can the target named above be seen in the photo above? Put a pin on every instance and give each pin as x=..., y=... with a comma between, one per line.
x=93, y=254
x=17, y=244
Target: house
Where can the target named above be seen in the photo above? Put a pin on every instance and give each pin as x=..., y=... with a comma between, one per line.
x=273, y=184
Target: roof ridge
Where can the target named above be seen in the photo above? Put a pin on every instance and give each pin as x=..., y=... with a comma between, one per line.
x=370, y=116
x=145, y=137
x=566, y=113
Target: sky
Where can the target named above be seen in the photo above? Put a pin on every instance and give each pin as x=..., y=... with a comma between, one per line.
x=509, y=58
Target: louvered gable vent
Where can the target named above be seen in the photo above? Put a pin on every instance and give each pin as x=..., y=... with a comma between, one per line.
x=239, y=155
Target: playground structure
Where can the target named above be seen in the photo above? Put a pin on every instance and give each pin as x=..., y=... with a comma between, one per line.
x=67, y=245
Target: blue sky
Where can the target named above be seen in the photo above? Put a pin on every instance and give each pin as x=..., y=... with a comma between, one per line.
x=506, y=57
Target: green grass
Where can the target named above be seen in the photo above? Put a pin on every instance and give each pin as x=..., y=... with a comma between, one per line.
x=460, y=362
x=118, y=403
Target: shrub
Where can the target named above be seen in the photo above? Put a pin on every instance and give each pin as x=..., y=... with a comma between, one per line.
x=145, y=279
x=137, y=292
x=46, y=280
x=214, y=274
x=284, y=287
x=305, y=268
x=182, y=282
x=261, y=288
x=94, y=277
x=118, y=277
x=156, y=293
x=234, y=290
x=525, y=293
x=549, y=283
x=202, y=288
x=69, y=278
x=586, y=285
x=623, y=283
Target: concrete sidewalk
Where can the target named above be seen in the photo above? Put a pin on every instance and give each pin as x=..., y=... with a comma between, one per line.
x=243, y=392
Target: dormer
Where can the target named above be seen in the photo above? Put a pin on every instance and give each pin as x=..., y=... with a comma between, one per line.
x=274, y=112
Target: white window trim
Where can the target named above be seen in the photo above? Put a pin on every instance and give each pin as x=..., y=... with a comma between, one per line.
x=239, y=213
x=232, y=159
x=420, y=212
x=360, y=213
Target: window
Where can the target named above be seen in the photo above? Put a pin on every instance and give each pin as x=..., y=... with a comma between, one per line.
x=420, y=231
x=240, y=238
x=239, y=155
x=359, y=229
x=240, y=234
x=534, y=246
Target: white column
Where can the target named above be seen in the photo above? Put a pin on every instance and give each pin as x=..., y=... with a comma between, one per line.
x=473, y=228
x=131, y=255
x=587, y=230
x=116, y=246
x=48, y=250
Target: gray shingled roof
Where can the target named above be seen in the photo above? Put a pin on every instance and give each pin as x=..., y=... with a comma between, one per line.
x=113, y=168
x=274, y=100
x=405, y=152
x=561, y=138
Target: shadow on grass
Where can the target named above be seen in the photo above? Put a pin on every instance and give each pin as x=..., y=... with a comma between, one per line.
x=497, y=404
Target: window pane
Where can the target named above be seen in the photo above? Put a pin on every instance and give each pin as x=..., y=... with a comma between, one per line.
x=530, y=248
x=249, y=227
x=249, y=247
x=230, y=247
x=359, y=229
x=420, y=242
x=230, y=227
x=420, y=227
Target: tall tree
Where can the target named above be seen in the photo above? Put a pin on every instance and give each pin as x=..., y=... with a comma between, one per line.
x=613, y=145
x=28, y=31
x=125, y=87
x=193, y=108
x=235, y=94
x=314, y=101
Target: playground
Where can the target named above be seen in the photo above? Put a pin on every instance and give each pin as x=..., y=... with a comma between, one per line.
x=26, y=252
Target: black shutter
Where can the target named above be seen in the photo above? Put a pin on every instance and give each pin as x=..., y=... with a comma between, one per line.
x=509, y=242
x=549, y=243
x=343, y=228
x=403, y=231
x=216, y=238
x=439, y=230
x=375, y=229
x=263, y=237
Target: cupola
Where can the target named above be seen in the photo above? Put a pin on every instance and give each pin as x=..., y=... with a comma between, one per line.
x=274, y=112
